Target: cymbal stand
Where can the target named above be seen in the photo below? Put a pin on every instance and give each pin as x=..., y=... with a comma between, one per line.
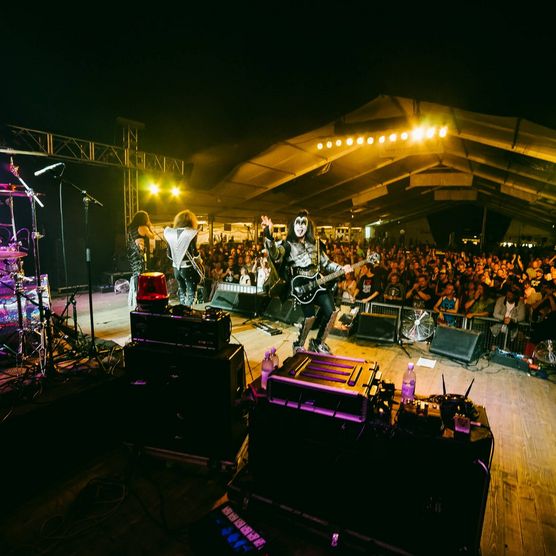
x=46, y=357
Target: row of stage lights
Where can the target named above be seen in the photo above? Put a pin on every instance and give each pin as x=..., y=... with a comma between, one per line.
x=155, y=190
x=416, y=135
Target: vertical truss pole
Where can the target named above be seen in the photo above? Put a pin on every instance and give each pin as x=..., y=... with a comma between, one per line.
x=130, y=140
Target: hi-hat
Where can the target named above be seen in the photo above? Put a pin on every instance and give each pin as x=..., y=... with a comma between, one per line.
x=7, y=254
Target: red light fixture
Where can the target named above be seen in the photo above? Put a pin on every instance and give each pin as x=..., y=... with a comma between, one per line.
x=152, y=293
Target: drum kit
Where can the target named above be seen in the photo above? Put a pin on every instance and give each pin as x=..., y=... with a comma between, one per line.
x=21, y=310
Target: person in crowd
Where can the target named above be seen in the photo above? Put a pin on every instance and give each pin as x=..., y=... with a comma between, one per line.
x=348, y=288
x=395, y=290
x=244, y=278
x=481, y=304
x=367, y=290
x=181, y=238
x=509, y=310
x=302, y=257
x=140, y=241
x=421, y=296
x=544, y=314
x=447, y=306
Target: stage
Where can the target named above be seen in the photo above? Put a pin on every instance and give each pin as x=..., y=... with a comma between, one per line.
x=521, y=411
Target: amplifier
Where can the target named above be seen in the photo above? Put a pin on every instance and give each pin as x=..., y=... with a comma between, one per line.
x=209, y=329
x=330, y=385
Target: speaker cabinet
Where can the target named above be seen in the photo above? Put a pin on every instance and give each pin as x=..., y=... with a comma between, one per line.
x=185, y=400
x=381, y=328
x=239, y=302
x=457, y=343
x=285, y=311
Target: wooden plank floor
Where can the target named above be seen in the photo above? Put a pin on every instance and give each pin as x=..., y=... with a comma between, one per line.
x=521, y=409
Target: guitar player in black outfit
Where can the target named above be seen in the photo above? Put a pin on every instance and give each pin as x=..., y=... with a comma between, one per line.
x=301, y=255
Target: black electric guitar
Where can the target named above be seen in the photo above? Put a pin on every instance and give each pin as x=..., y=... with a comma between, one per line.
x=305, y=288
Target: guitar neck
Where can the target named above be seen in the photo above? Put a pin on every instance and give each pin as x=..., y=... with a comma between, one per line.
x=338, y=273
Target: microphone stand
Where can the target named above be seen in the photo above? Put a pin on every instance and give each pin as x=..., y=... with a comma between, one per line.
x=400, y=341
x=87, y=200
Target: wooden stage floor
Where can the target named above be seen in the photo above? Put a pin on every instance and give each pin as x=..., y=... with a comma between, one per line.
x=521, y=409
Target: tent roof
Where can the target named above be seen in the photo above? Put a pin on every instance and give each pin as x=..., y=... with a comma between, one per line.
x=504, y=163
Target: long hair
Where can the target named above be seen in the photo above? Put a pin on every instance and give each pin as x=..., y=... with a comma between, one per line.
x=140, y=218
x=309, y=235
x=185, y=219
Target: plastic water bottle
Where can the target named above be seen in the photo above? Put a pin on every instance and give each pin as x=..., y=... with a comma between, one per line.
x=408, y=383
x=267, y=366
x=274, y=357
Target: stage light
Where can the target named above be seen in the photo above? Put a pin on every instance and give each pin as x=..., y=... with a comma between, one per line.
x=338, y=142
x=329, y=144
x=430, y=132
x=349, y=141
x=154, y=189
x=320, y=146
x=393, y=137
x=360, y=140
x=443, y=131
x=370, y=140
x=417, y=134
x=381, y=139
x=175, y=191
x=404, y=135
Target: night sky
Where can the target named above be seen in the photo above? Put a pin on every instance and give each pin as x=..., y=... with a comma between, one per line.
x=212, y=78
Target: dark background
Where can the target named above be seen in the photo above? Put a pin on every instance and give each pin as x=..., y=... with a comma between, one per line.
x=215, y=79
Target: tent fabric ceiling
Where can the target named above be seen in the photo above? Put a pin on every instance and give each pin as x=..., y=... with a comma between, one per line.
x=512, y=162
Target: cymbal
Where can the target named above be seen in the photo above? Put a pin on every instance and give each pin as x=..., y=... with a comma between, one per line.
x=7, y=254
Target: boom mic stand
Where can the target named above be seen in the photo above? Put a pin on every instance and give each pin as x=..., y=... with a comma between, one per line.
x=87, y=199
x=399, y=339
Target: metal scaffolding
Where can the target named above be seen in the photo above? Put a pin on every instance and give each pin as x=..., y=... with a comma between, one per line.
x=128, y=156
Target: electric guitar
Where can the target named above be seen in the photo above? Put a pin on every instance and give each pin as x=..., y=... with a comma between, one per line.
x=305, y=288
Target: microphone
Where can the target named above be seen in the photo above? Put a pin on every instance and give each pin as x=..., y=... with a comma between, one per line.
x=49, y=168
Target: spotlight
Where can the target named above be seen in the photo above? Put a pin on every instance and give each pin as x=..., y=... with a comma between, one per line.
x=430, y=132
x=320, y=146
x=370, y=140
x=418, y=134
x=404, y=135
x=338, y=142
x=360, y=140
x=349, y=141
x=393, y=137
x=329, y=144
x=381, y=139
x=175, y=191
x=443, y=131
x=154, y=189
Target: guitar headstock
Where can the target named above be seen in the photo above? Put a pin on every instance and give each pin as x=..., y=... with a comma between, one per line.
x=373, y=258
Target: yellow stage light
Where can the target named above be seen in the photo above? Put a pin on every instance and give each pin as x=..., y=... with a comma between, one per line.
x=338, y=142
x=349, y=141
x=175, y=191
x=404, y=135
x=393, y=137
x=360, y=140
x=329, y=144
x=443, y=131
x=431, y=132
x=381, y=139
x=417, y=134
x=370, y=140
x=154, y=189
x=320, y=146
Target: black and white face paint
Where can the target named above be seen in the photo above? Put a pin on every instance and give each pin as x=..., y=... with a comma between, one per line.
x=300, y=226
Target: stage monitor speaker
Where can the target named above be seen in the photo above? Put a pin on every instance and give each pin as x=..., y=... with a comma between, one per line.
x=457, y=343
x=381, y=328
x=286, y=311
x=239, y=302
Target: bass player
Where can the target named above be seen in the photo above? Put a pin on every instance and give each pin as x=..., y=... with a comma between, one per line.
x=300, y=254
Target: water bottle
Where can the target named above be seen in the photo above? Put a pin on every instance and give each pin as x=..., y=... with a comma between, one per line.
x=274, y=357
x=267, y=366
x=408, y=383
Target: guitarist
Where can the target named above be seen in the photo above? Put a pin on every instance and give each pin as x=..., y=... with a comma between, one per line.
x=186, y=260
x=301, y=255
